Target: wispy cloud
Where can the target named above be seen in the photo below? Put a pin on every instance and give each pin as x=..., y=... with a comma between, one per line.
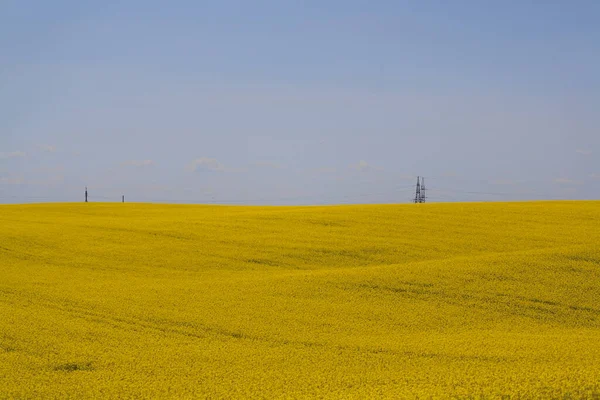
x=503, y=182
x=14, y=154
x=50, y=169
x=267, y=164
x=48, y=181
x=205, y=163
x=138, y=163
x=406, y=177
x=583, y=152
x=566, y=181
x=362, y=165
x=450, y=174
x=595, y=176
x=11, y=181
x=51, y=180
x=323, y=170
x=48, y=148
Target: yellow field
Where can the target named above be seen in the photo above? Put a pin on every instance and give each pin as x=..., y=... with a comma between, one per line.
x=374, y=301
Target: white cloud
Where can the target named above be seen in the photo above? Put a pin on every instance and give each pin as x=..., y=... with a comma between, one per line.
x=11, y=181
x=138, y=163
x=365, y=166
x=48, y=181
x=50, y=169
x=503, y=182
x=583, y=152
x=406, y=177
x=267, y=164
x=324, y=170
x=51, y=180
x=205, y=163
x=14, y=154
x=566, y=181
x=362, y=164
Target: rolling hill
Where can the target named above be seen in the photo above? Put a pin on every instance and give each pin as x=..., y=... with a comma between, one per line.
x=463, y=300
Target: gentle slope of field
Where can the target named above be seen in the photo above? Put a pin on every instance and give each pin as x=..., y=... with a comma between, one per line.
x=395, y=301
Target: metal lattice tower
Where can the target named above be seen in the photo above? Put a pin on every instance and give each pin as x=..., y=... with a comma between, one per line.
x=418, y=192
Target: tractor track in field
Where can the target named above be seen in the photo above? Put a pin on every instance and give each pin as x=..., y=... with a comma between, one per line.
x=202, y=331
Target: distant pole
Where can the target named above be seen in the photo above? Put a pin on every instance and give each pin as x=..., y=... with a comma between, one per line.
x=86, y=195
x=422, y=190
x=123, y=198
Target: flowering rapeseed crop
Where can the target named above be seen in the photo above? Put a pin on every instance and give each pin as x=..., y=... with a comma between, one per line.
x=373, y=301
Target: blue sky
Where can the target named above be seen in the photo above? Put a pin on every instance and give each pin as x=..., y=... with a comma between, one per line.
x=299, y=102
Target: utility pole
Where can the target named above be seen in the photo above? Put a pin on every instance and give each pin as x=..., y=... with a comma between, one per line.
x=423, y=198
x=418, y=192
x=123, y=198
x=86, y=194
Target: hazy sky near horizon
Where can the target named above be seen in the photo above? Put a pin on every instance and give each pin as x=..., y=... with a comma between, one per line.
x=299, y=102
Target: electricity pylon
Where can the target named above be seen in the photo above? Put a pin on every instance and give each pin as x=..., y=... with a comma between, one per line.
x=420, y=192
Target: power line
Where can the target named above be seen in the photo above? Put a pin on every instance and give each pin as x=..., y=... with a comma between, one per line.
x=510, y=194
x=421, y=195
